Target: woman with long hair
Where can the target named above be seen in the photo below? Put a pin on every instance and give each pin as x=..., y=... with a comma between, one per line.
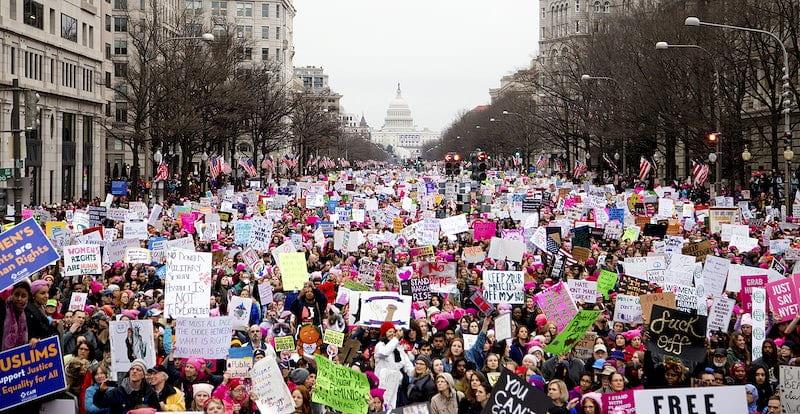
x=200, y=394
x=454, y=353
x=447, y=398
x=738, y=349
x=302, y=400
x=98, y=376
x=557, y=391
x=14, y=330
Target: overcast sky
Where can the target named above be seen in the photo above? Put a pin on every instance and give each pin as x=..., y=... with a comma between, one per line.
x=446, y=54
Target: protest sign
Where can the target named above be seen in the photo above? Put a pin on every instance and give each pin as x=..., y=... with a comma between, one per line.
x=502, y=327
x=136, y=230
x=568, y=337
x=698, y=249
x=418, y=288
x=31, y=373
x=131, y=340
x=284, y=343
x=782, y=297
x=759, y=321
x=31, y=251
x=334, y=338
x=340, y=387
x=240, y=362
x=205, y=337
x=605, y=282
x=454, y=225
x=77, y=301
x=503, y=287
x=664, y=299
x=187, y=284
x=749, y=282
x=686, y=298
x=241, y=231
x=512, y=394
x=239, y=312
x=715, y=273
x=619, y=403
x=137, y=255
x=484, y=230
x=583, y=290
x=719, y=317
x=441, y=274
x=377, y=307
x=294, y=271
x=790, y=388
x=506, y=249
x=717, y=216
x=633, y=286
x=650, y=268
x=729, y=399
x=557, y=304
x=114, y=251
x=474, y=254
x=260, y=234
x=82, y=259
x=271, y=392
x=585, y=346
x=628, y=309
x=676, y=334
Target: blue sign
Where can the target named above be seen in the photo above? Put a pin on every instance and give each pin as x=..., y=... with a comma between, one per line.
x=31, y=373
x=119, y=188
x=239, y=352
x=616, y=214
x=532, y=169
x=24, y=250
x=327, y=227
x=332, y=204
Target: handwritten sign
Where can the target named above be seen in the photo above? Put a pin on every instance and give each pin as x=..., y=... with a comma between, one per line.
x=188, y=284
x=504, y=287
x=557, y=304
x=203, y=337
x=294, y=271
x=572, y=333
x=676, y=334
x=340, y=387
x=511, y=394
x=82, y=259
x=583, y=290
x=782, y=297
x=271, y=392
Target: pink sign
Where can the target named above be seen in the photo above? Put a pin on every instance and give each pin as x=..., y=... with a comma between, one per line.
x=187, y=221
x=27, y=213
x=484, y=230
x=746, y=294
x=557, y=304
x=782, y=298
x=619, y=403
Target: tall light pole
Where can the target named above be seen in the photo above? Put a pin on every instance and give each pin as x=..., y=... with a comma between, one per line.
x=696, y=22
x=716, y=107
x=587, y=78
x=527, y=138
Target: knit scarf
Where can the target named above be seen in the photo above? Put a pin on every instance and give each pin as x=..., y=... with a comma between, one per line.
x=15, y=328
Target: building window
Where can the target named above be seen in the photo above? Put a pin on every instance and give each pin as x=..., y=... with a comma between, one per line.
x=577, y=5
x=120, y=4
x=69, y=28
x=247, y=53
x=278, y=54
x=244, y=9
x=69, y=73
x=120, y=47
x=108, y=51
x=265, y=10
x=52, y=71
x=120, y=69
x=606, y=7
x=120, y=24
x=277, y=11
x=219, y=32
x=121, y=112
x=195, y=6
x=88, y=79
x=108, y=80
x=544, y=12
x=84, y=34
x=265, y=32
x=108, y=107
x=597, y=7
x=91, y=37
x=577, y=26
x=33, y=14
x=277, y=33
x=33, y=65
x=244, y=31
x=52, y=21
x=108, y=23
x=219, y=8
x=264, y=54
x=13, y=60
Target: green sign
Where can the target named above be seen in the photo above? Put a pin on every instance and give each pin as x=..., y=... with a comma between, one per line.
x=6, y=174
x=340, y=387
x=572, y=333
x=606, y=282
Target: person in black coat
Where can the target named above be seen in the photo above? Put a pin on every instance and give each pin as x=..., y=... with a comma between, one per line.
x=132, y=392
x=421, y=387
x=309, y=305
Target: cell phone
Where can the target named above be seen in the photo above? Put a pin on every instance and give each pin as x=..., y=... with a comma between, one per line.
x=110, y=383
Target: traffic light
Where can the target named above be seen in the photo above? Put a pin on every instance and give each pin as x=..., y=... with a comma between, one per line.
x=479, y=165
x=712, y=139
x=452, y=164
x=31, y=109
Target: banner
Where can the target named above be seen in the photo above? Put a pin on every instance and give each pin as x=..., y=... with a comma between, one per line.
x=131, y=340
x=676, y=334
x=557, y=304
x=511, y=394
x=294, y=270
x=730, y=399
x=27, y=250
x=504, y=287
x=339, y=387
x=187, y=284
x=82, y=259
x=568, y=337
x=790, y=388
x=240, y=362
x=377, y=307
x=203, y=337
x=759, y=321
x=31, y=373
x=272, y=394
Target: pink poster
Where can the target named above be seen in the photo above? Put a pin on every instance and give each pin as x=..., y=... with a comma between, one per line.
x=782, y=298
x=746, y=294
x=557, y=305
x=484, y=230
x=619, y=403
x=27, y=213
x=187, y=221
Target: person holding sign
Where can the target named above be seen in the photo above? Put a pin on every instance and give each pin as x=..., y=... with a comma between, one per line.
x=16, y=322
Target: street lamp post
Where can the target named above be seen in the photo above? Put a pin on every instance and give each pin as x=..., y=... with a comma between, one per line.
x=716, y=108
x=158, y=157
x=527, y=138
x=696, y=22
x=587, y=78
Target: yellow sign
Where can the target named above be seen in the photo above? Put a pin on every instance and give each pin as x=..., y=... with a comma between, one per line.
x=50, y=225
x=333, y=337
x=294, y=271
x=397, y=224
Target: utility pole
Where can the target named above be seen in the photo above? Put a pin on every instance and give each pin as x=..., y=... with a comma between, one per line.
x=17, y=151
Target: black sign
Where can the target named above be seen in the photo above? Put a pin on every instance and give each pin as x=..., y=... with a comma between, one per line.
x=418, y=288
x=655, y=230
x=96, y=215
x=633, y=286
x=531, y=205
x=558, y=267
x=678, y=335
x=512, y=394
x=580, y=237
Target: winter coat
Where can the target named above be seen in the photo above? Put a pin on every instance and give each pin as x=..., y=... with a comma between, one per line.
x=123, y=398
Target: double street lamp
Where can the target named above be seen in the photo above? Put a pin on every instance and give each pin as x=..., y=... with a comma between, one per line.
x=788, y=154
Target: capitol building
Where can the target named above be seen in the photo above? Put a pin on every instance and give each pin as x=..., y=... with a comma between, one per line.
x=399, y=131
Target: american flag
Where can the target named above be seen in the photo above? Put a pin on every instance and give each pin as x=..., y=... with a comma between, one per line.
x=559, y=165
x=644, y=168
x=699, y=172
x=568, y=259
x=541, y=162
x=162, y=172
x=268, y=164
x=214, y=167
x=247, y=166
x=289, y=162
x=226, y=168
x=610, y=162
x=580, y=168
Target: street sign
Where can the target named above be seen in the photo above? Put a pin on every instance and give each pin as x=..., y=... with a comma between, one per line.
x=6, y=174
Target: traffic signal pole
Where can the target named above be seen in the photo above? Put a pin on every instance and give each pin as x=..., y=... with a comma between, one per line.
x=17, y=150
